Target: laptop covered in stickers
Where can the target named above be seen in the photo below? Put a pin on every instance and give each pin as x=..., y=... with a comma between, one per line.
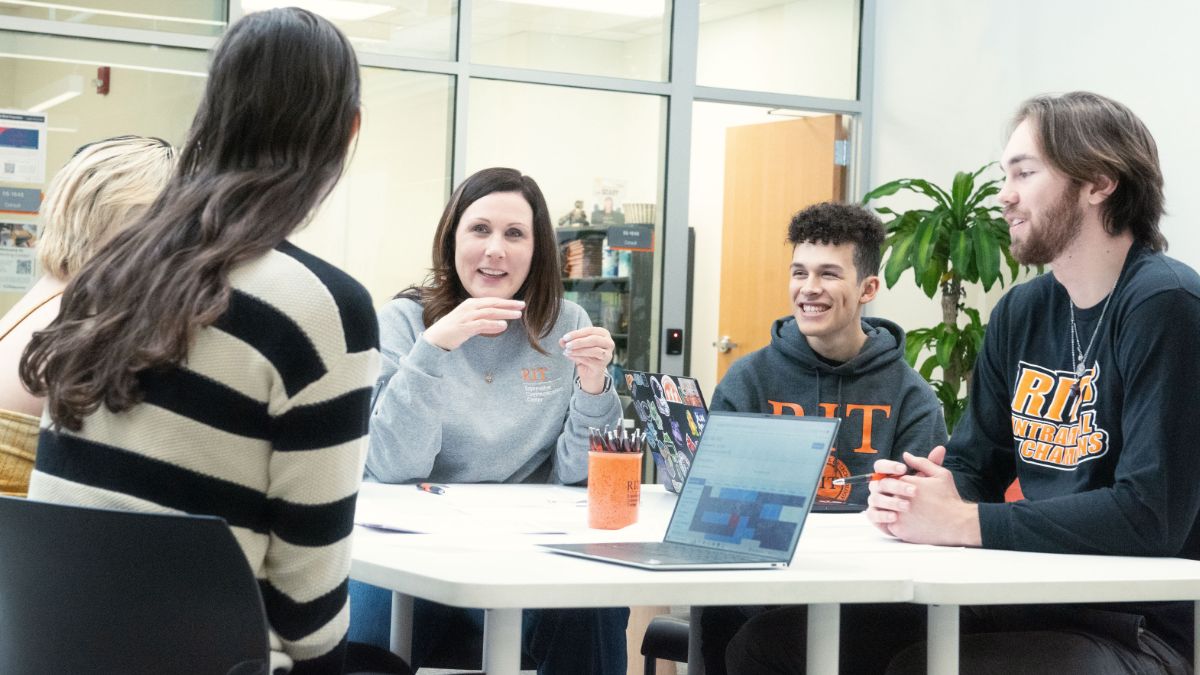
x=673, y=413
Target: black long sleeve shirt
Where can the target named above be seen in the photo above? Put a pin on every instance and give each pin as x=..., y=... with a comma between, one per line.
x=1110, y=467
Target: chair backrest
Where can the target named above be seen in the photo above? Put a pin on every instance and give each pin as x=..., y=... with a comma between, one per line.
x=95, y=591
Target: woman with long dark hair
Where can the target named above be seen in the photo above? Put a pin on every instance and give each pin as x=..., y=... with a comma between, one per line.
x=200, y=363
x=490, y=376
x=492, y=328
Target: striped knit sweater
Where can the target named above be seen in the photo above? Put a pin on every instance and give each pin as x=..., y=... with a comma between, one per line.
x=265, y=426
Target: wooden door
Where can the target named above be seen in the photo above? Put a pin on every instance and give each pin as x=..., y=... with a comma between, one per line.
x=772, y=170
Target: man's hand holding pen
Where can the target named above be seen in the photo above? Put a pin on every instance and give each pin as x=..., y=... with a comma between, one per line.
x=919, y=503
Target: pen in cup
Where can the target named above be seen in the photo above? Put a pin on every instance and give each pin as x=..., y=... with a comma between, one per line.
x=615, y=440
x=614, y=477
x=432, y=488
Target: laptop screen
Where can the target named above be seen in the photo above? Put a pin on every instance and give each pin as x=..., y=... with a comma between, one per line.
x=752, y=483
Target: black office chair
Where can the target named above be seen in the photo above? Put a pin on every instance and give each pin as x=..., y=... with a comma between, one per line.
x=666, y=638
x=96, y=591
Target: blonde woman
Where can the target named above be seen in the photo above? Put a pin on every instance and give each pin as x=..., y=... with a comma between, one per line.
x=104, y=187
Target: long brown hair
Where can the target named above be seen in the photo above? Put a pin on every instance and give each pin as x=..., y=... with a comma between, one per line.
x=542, y=290
x=1085, y=136
x=268, y=143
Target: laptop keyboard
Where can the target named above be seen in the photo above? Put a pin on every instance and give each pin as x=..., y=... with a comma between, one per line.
x=667, y=552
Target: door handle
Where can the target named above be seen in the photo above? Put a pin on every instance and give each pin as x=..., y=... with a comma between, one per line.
x=725, y=344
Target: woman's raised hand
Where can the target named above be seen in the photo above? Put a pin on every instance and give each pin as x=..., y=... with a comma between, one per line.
x=590, y=349
x=473, y=316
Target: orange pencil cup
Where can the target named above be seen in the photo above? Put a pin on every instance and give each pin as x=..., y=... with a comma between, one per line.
x=614, y=489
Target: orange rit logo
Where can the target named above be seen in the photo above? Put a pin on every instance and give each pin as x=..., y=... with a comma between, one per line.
x=866, y=414
x=534, y=374
x=1054, y=417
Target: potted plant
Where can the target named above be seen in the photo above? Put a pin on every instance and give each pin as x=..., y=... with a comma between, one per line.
x=959, y=239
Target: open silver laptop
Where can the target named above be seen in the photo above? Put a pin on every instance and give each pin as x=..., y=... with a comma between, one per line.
x=743, y=505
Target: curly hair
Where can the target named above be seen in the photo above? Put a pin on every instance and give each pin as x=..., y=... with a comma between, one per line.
x=837, y=223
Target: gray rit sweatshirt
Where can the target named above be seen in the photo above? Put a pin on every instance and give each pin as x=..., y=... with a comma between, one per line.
x=436, y=416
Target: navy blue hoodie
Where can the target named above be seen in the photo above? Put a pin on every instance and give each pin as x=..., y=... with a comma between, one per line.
x=885, y=406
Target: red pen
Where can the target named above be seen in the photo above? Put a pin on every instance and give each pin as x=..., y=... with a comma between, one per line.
x=432, y=488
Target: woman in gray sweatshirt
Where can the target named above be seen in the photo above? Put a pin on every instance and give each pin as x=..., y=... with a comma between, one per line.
x=489, y=376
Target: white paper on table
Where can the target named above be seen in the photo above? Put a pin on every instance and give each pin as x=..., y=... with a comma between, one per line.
x=483, y=509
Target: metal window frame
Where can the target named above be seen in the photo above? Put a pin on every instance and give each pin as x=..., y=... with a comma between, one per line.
x=680, y=90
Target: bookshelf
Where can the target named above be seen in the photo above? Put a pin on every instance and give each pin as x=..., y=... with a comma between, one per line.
x=621, y=304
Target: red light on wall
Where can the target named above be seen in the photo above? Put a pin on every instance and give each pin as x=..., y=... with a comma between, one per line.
x=102, y=75
x=674, y=341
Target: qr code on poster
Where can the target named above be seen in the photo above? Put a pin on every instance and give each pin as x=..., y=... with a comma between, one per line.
x=10, y=167
x=24, y=267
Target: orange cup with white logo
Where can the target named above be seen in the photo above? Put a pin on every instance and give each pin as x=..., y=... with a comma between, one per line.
x=614, y=489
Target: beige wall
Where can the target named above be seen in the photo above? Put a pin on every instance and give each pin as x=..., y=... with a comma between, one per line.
x=950, y=74
x=378, y=222
x=807, y=47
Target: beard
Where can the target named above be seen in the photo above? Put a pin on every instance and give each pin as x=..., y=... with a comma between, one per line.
x=1054, y=230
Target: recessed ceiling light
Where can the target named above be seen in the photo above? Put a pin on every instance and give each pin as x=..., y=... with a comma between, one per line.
x=60, y=91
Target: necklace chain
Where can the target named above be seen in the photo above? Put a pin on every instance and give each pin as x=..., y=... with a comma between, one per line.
x=1082, y=354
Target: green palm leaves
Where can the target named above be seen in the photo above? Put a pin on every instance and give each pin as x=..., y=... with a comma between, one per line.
x=960, y=238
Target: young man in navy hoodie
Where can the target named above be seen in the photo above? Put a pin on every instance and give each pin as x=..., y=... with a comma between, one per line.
x=827, y=360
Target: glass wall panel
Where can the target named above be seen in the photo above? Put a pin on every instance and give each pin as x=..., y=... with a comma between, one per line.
x=51, y=75
x=196, y=17
x=751, y=169
x=423, y=28
x=378, y=222
x=605, y=151
x=616, y=38
x=807, y=47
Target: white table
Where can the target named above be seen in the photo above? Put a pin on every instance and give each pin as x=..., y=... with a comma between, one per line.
x=841, y=558
x=450, y=568
x=947, y=578
x=983, y=577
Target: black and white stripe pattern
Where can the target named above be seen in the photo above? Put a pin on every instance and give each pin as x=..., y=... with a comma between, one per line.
x=264, y=426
